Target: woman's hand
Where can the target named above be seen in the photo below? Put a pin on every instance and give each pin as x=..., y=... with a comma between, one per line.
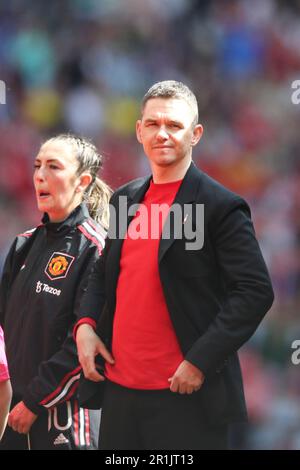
x=21, y=419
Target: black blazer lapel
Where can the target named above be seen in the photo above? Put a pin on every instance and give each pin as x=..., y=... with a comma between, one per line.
x=138, y=194
x=133, y=197
x=187, y=194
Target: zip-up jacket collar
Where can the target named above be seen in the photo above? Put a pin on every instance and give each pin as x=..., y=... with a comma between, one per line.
x=75, y=218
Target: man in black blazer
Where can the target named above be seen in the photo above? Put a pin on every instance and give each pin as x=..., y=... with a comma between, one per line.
x=172, y=304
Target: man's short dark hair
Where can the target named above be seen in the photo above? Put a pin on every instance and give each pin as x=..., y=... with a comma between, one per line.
x=172, y=89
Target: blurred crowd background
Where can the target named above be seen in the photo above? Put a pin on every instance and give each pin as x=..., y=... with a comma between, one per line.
x=84, y=65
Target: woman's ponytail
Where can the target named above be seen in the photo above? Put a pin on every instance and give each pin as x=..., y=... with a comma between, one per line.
x=97, y=195
x=97, y=200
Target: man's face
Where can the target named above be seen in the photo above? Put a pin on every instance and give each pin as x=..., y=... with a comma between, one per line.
x=166, y=131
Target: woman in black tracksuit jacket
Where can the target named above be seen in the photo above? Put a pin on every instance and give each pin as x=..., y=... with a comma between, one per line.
x=44, y=276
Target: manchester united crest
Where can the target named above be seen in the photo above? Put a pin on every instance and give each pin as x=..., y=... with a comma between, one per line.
x=58, y=265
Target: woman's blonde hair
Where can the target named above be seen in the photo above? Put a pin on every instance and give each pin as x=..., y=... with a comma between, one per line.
x=98, y=193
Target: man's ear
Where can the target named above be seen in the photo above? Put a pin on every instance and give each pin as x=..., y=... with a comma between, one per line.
x=138, y=130
x=197, y=134
x=85, y=180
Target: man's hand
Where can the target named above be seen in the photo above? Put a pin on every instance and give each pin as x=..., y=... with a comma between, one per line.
x=89, y=345
x=20, y=419
x=187, y=379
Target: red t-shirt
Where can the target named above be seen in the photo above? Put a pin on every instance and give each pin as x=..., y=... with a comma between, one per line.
x=144, y=344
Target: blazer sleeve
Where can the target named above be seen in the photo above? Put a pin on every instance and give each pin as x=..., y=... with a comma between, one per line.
x=248, y=289
x=94, y=297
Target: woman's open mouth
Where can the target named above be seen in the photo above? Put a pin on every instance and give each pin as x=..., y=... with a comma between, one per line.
x=43, y=195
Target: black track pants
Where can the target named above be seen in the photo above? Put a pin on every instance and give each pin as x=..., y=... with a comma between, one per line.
x=65, y=427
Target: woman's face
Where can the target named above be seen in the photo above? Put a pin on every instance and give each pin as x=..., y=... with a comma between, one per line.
x=58, y=188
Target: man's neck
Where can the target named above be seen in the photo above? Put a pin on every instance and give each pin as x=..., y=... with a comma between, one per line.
x=170, y=173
